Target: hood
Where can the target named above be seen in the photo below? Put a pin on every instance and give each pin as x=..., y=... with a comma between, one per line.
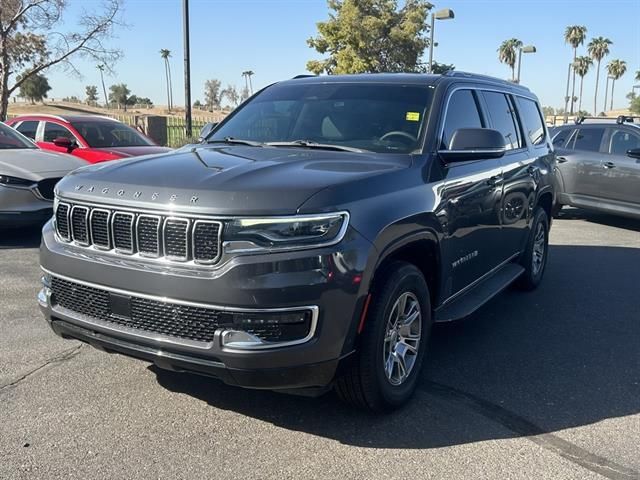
x=124, y=152
x=35, y=164
x=225, y=180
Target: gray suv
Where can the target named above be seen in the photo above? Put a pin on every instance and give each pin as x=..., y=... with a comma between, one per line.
x=599, y=165
x=313, y=237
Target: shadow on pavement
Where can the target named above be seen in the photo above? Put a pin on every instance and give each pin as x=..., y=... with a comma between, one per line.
x=563, y=356
x=601, y=218
x=22, y=237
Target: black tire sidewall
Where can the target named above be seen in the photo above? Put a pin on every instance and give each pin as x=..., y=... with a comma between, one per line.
x=529, y=279
x=403, y=278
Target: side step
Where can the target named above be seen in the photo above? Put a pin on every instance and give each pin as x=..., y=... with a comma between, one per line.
x=470, y=301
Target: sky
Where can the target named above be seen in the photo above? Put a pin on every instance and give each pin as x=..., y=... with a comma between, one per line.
x=269, y=37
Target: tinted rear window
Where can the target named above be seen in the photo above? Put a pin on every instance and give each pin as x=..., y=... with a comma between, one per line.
x=532, y=120
x=28, y=129
x=560, y=138
x=588, y=139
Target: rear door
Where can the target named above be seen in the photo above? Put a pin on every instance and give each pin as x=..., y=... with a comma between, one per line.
x=621, y=173
x=580, y=161
x=470, y=201
x=519, y=172
x=28, y=128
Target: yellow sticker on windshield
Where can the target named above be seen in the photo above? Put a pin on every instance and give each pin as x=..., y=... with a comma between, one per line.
x=413, y=116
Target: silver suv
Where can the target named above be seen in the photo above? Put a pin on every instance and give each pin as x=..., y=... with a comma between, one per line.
x=598, y=165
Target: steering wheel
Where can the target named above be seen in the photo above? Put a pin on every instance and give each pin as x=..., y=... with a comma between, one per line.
x=399, y=133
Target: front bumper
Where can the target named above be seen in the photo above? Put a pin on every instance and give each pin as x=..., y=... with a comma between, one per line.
x=325, y=279
x=21, y=206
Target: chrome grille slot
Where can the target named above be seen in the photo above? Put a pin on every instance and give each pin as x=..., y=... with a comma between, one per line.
x=175, y=236
x=205, y=240
x=122, y=229
x=62, y=221
x=99, y=221
x=79, y=224
x=189, y=238
x=148, y=235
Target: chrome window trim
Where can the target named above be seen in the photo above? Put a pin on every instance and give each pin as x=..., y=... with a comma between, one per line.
x=86, y=223
x=109, y=237
x=186, y=238
x=193, y=241
x=158, y=234
x=55, y=216
x=315, y=313
x=133, y=223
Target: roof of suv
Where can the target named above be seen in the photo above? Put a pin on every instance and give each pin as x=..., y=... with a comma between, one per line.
x=411, y=78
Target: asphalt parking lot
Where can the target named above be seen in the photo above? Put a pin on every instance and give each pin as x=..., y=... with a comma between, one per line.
x=535, y=385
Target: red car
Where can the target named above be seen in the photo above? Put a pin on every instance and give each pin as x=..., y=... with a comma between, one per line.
x=91, y=137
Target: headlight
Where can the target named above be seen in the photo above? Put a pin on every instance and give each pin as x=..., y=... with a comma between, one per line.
x=284, y=233
x=15, y=181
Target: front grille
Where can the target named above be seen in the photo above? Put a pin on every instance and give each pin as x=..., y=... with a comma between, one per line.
x=171, y=319
x=46, y=186
x=79, y=224
x=174, y=238
x=62, y=221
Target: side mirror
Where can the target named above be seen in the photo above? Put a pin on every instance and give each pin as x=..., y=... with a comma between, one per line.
x=633, y=153
x=64, y=142
x=474, y=144
x=206, y=130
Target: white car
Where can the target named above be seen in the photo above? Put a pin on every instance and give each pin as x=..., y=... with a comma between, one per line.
x=28, y=176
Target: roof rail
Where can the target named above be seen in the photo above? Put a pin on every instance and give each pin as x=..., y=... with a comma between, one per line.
x=620, y=119
x=304, y=75
x=477, y=76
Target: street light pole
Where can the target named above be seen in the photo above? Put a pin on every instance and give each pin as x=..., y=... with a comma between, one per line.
x=606, y=93
x=444, y=14
x=521, y=50
x=187, y=70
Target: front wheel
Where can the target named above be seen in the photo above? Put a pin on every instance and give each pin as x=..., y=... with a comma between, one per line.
x=534, y=258
x=384, y=373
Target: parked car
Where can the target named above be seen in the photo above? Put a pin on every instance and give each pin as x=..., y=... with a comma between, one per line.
x=598, y=165
x=313, y=237
x=91, y=137
x=27, y=179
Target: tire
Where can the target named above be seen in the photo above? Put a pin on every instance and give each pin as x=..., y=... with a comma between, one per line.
x=538, y=243
x=365, y=382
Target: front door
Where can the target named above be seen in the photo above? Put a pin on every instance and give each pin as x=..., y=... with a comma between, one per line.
x=469, y=203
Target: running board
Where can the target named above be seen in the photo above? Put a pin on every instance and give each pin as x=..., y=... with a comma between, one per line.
x=480, y=294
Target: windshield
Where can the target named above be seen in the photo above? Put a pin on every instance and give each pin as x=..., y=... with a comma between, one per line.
x=386, y=118
x=110, y=134
x=10, y=139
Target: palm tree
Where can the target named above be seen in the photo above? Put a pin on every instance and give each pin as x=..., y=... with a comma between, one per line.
x=508, y=53
x=616, y=69
x=598, y=49
x=101, y=67
x=637, y=75
x=574, y=35
x=166, y=54
x=247, y=75
x=581, y=68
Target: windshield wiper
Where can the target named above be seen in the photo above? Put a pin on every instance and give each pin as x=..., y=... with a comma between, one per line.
x=321, y=146
x=237, y=141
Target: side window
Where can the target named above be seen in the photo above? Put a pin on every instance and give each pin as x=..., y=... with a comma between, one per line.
x=503, y=118
x=462, y=112
x=53, y=131
x=28, y=128
x=562, y=136
x=532, y=120
x=588, y=139
x=623, y=140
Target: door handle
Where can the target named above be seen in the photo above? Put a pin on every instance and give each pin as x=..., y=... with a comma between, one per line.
x=562, y=159
x=609, y=165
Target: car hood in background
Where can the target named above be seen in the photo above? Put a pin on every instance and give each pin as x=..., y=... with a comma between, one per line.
x=134, y=151
x=225, y=180
x=35, y=164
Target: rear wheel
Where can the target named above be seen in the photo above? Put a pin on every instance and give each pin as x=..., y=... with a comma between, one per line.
x=534, y=258
x=386, y=368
